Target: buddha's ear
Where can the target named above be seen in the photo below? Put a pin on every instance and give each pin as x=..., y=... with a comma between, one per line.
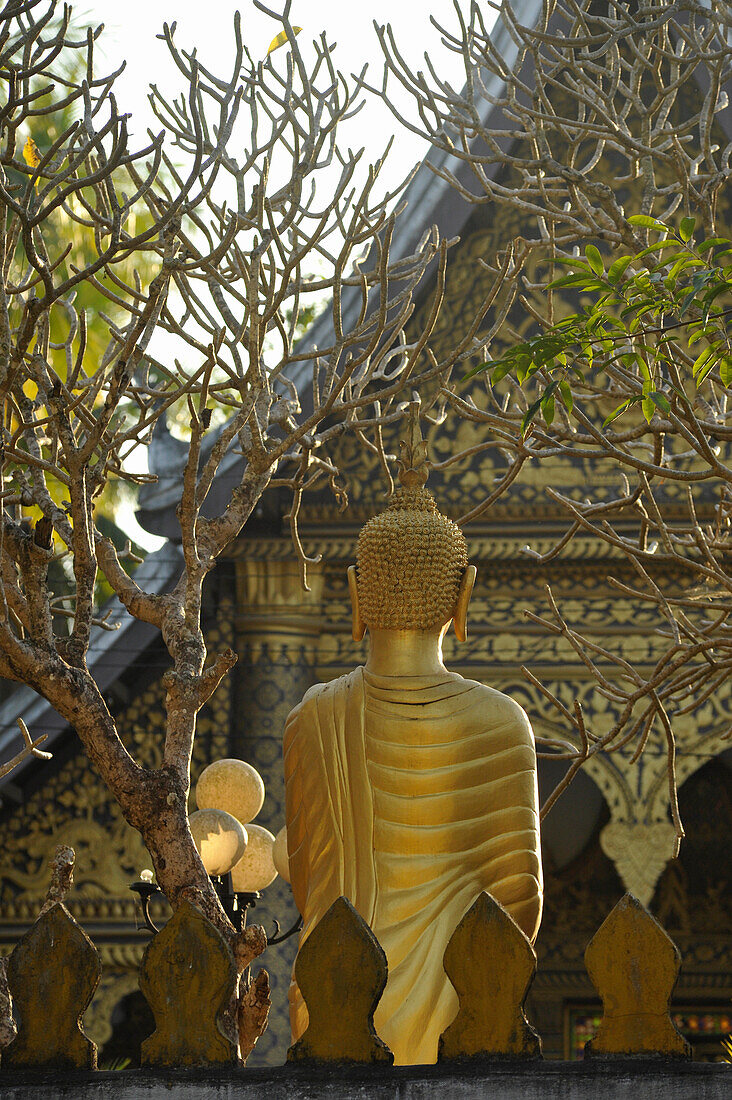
x=465, y=591
x=358, y=627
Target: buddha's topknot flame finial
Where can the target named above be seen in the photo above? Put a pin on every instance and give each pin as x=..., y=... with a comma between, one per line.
x=413, y=463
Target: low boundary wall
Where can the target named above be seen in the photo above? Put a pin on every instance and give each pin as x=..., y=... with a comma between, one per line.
x=637, y=1080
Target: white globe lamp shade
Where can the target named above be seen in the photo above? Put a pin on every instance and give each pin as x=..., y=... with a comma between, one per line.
x=233, y=786
x=220, y=839
x=280, y=857
x=256, y=869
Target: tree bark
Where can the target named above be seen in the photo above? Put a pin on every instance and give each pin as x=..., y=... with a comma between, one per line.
x=153, y=802
x=161, y=817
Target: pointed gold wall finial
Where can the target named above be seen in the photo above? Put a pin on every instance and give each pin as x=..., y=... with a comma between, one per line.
x=341, y=970
x=188, y=976
x=633, y=964
x=491, y=964
x=413, y=464
x=53, y=973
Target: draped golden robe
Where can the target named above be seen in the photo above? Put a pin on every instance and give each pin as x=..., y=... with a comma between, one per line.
x=410, y=796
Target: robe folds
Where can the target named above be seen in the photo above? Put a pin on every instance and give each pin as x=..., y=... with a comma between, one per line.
x=410, y=796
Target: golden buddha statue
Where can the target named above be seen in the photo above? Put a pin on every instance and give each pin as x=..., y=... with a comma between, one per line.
x=409, y=789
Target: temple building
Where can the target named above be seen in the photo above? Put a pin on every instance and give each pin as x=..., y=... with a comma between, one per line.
x=608, y=834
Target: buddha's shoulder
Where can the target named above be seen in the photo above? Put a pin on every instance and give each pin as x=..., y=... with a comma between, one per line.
x=501, y=708
x=319, y=694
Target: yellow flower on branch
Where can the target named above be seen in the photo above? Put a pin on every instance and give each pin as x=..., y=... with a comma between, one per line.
x=31, y=155
x=280, y=40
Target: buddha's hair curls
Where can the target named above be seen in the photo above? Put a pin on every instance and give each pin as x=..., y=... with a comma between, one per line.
x=409, y=559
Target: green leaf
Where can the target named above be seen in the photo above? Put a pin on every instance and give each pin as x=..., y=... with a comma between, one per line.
x=644, y=219
x=705, y=359
x=684, y=261
x=476, y=370
x=500, y=371
x=635, y=323
x=522, y=363
x=702, y=278
x=725, y=370
x=649, y=408
x=580, y=281
x=621, y=409
x=596, y=320
x=711, y=295
x=661, y=401
x=551, y=348
x=529, y=415
x=566, y=391
x=617, y=269
x=711, y=242
x=686, y=302
x=706, y=369
x=595, y=259
x=572, y=323
x=547, y=408
x=686, y=228
x=701, y=360
x=644, y=304
x=658, y=246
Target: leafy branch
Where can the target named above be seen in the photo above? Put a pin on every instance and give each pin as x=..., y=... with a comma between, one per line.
x=638, y=315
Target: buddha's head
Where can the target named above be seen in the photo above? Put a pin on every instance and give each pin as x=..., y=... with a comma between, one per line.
x=412, y=569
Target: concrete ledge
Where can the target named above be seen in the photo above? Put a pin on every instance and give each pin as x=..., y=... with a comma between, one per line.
x=622, y=1080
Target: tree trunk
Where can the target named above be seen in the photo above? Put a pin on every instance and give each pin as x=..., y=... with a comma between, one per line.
x=161, y=817
x=153, y=802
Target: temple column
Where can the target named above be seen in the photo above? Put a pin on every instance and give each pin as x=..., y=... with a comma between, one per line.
x=278, y=625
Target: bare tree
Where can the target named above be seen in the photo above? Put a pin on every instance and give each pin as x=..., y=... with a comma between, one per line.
x=30, y=748
x=223, y=205
x=608, y=125
x=568, y=101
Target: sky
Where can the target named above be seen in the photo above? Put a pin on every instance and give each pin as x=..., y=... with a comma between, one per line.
x=130, y=35
x=131, y=28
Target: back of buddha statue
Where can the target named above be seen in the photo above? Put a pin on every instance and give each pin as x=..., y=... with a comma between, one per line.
x=452, y=773
x=409, y=789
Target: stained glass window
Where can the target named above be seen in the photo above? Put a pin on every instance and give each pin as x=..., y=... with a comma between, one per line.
x=704, y=1026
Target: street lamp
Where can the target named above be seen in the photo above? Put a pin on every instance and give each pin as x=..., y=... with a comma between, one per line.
x=242, y=858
